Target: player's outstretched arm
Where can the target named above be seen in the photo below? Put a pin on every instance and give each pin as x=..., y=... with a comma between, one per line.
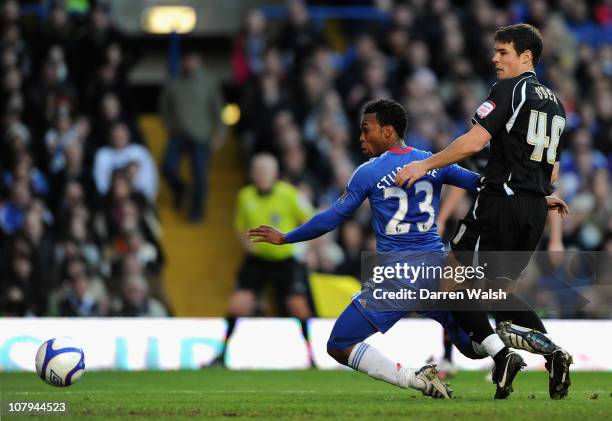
x=354, y=194
x=318, y=225
x=464, y=146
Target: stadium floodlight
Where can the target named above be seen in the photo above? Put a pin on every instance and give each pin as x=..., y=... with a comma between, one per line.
x=168, y=19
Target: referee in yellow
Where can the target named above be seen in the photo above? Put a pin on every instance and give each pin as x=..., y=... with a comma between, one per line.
x=269, y=201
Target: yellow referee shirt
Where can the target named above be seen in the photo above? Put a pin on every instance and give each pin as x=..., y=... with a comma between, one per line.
x=281, y=208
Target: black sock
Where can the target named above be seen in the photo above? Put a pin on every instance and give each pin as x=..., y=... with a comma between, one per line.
x=501, y=356
x=231, y=324
x=475, y=323
x=304, y=326
x=448, y=347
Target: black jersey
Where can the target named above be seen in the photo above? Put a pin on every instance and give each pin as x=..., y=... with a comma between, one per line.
x=526, y=122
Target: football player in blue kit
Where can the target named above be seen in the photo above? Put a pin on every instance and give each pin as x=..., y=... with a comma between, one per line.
x=403, y=221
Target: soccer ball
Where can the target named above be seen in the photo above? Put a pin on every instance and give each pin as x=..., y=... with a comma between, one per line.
x=60, y=362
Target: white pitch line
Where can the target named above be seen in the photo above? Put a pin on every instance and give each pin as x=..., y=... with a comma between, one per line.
x=219, y=392
x=176, y=392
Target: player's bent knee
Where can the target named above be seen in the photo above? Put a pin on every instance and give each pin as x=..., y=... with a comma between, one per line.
x=340, y=355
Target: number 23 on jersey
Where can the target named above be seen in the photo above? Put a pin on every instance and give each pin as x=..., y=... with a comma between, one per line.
x=396, y=224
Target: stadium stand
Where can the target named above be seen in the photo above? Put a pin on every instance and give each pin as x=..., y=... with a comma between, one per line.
x=74, y=242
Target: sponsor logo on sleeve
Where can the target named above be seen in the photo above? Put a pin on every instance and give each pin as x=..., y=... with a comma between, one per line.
x=485, y=108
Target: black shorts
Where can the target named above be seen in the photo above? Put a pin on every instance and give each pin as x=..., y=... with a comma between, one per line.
x=288, y=276
x=504, y=230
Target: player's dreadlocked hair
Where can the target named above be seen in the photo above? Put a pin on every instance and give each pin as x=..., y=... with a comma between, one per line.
x=524, y=37
x=389, y=113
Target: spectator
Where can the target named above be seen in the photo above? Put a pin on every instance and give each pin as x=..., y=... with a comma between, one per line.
x=81, y=292
x=57, y=31
x=265, y=97
x=40, y=240
x=24, y=170
x=325, y=255
x=109, y=113
x=249, y=47
x=135, y=300
x=578, y=165
x=48, y=95
x=93, y=41
x=299, y=34
x=80, y=300
x=12, y=212
x=20, y=292
x=352, y=240
x=191, y=109
x=57, y=138
x=144, y=251
x=78, y=243
x=121, y=154
x=73, y=176
x=16, y=142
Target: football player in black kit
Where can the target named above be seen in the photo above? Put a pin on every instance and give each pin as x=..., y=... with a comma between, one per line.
x=446, y=226
x=523, y=120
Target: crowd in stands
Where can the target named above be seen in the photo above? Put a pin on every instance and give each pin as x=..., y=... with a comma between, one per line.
x=303, y=83
x=79, y=233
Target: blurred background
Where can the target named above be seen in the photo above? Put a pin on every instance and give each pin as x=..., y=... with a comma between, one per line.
x=128, y=129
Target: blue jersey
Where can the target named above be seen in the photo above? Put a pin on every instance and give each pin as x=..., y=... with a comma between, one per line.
x=403, y=219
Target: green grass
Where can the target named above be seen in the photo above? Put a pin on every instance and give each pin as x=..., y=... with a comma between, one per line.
x=305, y=395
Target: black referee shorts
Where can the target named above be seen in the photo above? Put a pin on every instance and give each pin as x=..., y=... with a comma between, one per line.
x=504, y=230
x=287, y=276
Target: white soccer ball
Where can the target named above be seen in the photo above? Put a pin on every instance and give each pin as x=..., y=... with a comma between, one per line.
x=60, y=362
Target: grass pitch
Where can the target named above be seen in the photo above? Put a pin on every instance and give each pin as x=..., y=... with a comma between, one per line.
x=304, y=395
